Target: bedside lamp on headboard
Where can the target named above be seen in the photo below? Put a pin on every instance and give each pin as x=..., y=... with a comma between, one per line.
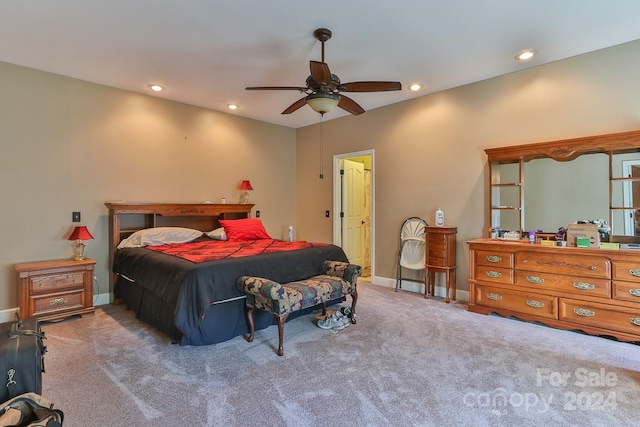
x=246, y=187
x=80, y=233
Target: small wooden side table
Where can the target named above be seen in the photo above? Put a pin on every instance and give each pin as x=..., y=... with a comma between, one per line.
x=440, y=258
x=54, y=290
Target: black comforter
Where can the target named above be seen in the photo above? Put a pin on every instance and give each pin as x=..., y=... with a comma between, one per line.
x=191, y=293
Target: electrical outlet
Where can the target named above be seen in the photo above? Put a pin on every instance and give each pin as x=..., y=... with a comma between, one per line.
x=327, y=214
x=257, y=214
x=75, y=216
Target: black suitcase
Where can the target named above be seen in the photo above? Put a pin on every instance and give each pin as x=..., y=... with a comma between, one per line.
x=21, y=358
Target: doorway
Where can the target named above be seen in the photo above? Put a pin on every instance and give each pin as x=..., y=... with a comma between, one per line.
x=353, y=200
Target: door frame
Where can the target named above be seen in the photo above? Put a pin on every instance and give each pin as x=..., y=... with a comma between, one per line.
x=337, y=201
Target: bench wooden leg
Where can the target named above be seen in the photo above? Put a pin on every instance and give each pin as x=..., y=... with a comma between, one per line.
x=281, y=320
x=324, y=308
x=249, y=312
x=352, y=315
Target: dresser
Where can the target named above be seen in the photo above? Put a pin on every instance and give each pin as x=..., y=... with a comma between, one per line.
x=54, y=290
x=593, y=290
x=440, y=258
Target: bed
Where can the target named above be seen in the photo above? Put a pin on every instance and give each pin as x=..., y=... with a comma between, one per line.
x=193, y=298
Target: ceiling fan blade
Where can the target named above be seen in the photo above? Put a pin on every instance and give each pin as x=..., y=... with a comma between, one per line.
x=298, y=88
x=320, y=72
x=295, y=106
x=370, y=86
x=350, y=105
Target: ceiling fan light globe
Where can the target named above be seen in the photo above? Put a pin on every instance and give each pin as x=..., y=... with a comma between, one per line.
x=322, y=102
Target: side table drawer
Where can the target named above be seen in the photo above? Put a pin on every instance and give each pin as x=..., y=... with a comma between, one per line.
x=59, y=302
x=600, y=315
x=57, y=282
x=537, y=305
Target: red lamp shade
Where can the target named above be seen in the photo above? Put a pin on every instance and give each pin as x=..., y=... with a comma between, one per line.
x=80, y=233
x=246, y=185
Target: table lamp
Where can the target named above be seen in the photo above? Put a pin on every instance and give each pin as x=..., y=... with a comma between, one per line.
x=246, y=186
x=80, y=233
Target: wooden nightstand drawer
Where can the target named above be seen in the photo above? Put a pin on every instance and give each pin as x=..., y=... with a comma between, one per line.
x=53, y=290
x=537, y=305
x=49, y=304
x=56, y=282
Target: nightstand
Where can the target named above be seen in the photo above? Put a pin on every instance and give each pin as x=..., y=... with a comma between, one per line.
x=54, y=290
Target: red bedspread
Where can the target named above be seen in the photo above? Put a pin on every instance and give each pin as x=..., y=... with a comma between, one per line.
x=212, y=250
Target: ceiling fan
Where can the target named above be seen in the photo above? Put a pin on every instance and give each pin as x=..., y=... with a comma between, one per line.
x=323, y=89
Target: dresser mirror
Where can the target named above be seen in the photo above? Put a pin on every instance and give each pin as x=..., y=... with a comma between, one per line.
x=551, y=184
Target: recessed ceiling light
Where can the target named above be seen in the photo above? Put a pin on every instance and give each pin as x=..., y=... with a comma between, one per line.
x=156, y=88
x=415, y=86
x=232, y=106
x=525, y=55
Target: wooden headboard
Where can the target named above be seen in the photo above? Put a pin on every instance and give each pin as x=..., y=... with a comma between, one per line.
x=127, y=218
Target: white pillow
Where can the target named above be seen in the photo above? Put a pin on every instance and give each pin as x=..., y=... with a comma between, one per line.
x=217, y=234
x=160, y=236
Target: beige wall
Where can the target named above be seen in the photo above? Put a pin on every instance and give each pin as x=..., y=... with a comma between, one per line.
x=429, y=151
x=68, y=145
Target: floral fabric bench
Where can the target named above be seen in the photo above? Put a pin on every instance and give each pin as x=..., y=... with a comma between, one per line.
x=280, y=299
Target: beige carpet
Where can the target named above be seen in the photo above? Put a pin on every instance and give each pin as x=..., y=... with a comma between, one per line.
x=408, y=362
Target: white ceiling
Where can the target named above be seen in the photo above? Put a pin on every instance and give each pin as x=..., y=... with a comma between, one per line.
x=205, y=52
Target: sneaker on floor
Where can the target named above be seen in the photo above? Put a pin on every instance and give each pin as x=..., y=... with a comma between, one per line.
x=346, y=322
x=331, y=322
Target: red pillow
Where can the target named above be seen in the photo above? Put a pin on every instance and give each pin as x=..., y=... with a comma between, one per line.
x=244, y=229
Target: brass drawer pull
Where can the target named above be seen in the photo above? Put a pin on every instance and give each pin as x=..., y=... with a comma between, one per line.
x=593, y=267
x=58, y=301
x=635, y=272
x=534, y=303
x=493, y=274
x=534, y=279
x=493, y=258
x=635, y=292
x=584, y=286
x=584, y=312
x=635, y=320
x=494, y=297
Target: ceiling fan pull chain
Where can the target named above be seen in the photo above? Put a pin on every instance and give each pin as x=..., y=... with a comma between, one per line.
x=321, y=146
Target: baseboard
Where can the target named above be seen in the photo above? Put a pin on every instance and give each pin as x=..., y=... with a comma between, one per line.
x=11, y=314
x=462, y=296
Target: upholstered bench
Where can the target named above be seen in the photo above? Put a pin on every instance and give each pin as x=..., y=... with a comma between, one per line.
x=339, y=279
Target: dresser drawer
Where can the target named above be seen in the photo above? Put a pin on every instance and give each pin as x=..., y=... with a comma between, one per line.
x=600, y=315
x=494, y=274
x=555, y=282
x=56, y=282
x=537, y=305
x=626, y=291
x=562, y=263
x=629, y=271
x=494, y=258
x=48, y=304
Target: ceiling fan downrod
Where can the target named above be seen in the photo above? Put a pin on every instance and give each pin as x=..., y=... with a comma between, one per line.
x=322, y=35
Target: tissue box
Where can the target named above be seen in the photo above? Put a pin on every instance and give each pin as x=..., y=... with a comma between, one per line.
x=588, y=231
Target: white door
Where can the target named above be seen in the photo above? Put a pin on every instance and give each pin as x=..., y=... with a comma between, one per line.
x=353, y=210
